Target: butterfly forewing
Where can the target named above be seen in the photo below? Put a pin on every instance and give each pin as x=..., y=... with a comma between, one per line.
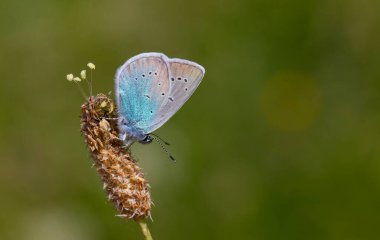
x=142, y=87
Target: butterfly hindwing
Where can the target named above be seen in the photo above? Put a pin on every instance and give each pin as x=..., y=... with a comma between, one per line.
x=142, y=87
x=184, y=78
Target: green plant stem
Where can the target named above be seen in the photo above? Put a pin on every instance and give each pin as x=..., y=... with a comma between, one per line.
x=144, y=229
x=81, y=90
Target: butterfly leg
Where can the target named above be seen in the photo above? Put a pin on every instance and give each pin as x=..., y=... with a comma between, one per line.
x=110, y=118
x=127, y=146
x=123, y=137
x=127, y=142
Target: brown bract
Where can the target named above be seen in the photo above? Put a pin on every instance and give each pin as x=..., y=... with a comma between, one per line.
x=122, y=178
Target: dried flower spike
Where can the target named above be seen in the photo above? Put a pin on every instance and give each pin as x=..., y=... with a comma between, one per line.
x=122, y=178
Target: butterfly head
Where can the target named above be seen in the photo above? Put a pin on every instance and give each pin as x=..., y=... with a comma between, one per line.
x=147, y=139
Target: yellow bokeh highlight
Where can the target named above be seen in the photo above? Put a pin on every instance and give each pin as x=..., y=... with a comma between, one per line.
x=291, y=101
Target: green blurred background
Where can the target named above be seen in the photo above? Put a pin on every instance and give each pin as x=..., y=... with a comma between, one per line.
x=280, y=141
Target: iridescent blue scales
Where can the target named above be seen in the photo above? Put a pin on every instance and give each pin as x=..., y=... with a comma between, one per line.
x=150, y=89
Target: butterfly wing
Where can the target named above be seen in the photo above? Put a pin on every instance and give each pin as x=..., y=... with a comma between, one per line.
x=184, y=78
x=142, y=87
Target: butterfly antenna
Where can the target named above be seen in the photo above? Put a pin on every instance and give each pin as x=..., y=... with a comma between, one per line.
x=163, y=147
x=162, y=140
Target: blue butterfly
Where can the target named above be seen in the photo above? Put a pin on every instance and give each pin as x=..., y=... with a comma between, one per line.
x=150, y=89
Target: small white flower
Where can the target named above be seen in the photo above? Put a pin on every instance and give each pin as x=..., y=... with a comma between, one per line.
x=83, y=74
x=77, y=79
x=91, y=65
x=69, y=77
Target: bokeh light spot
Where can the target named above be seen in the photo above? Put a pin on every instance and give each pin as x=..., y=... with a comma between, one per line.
x=291, y=101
